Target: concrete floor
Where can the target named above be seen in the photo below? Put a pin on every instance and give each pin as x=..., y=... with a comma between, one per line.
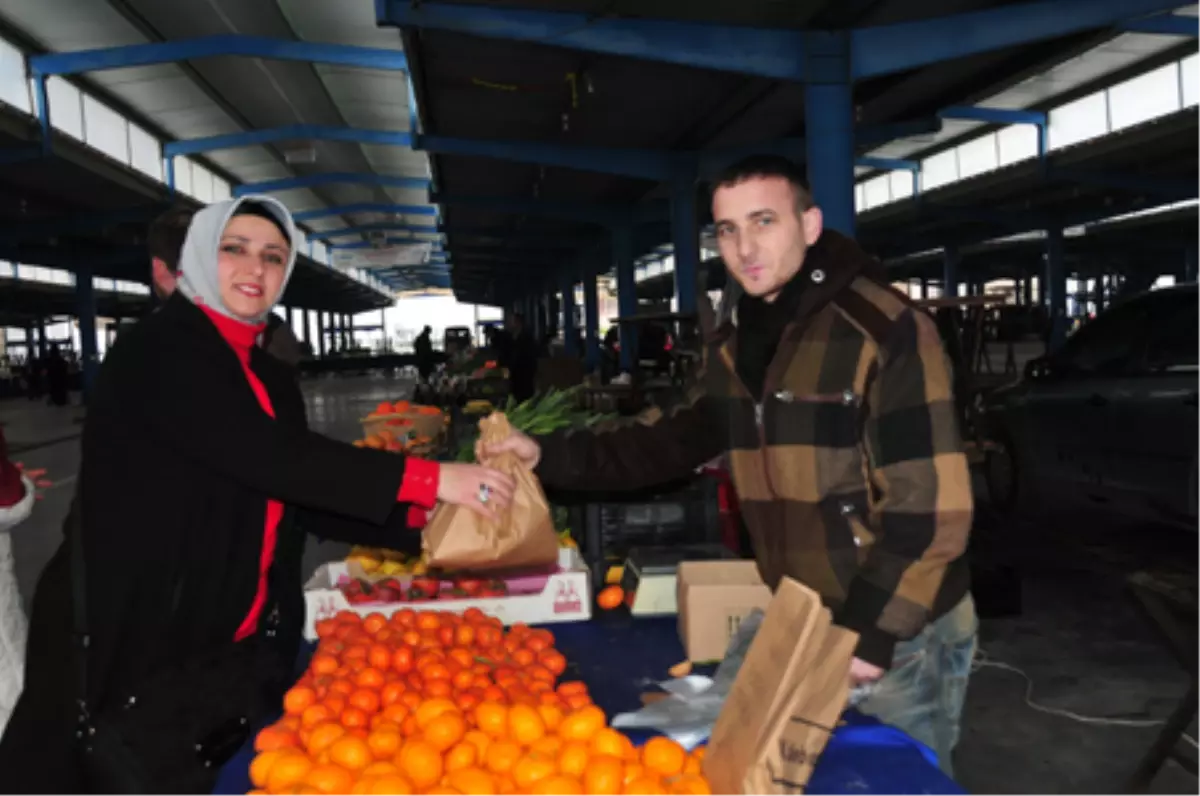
x=1078, y=636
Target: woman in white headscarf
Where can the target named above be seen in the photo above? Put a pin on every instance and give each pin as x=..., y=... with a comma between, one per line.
x=198, y=482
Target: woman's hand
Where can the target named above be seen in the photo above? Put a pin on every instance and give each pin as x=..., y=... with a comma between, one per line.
x=526, y=449
x=481, y=489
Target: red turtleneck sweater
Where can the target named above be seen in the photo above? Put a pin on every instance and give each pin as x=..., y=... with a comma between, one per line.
x=418, y=487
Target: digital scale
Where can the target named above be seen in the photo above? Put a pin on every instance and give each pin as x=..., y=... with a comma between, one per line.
x=648, y=579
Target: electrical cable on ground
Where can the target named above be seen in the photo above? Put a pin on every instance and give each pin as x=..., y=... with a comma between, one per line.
x=983, y=662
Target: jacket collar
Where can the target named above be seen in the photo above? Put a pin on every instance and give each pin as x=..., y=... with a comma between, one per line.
x=830, y=265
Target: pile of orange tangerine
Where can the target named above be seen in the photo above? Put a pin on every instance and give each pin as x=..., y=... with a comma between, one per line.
x=436, y=702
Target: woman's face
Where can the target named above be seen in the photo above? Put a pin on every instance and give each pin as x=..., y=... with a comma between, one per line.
x=251, y=265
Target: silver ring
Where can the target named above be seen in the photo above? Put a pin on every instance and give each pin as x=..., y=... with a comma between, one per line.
x=485, y=493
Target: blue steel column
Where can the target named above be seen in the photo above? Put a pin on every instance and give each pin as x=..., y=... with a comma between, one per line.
x=829, y=126
x=685, y=237
x=622, y=258
x=950, y=262
x=41, y=337
x=591, y=321
x=85, y=300
x=1056, y=287
x=568, y=314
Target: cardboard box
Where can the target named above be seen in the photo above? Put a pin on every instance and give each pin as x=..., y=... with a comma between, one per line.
x=562, y=596
x=713, y=598
x=786, y=699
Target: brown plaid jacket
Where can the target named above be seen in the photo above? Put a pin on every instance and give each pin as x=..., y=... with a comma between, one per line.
x=849, y=468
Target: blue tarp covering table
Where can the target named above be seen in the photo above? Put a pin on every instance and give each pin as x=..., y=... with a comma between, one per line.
x=620, y=658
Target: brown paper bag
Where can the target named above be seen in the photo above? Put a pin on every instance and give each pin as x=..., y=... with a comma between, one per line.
x=522, y=536
x=786, y=699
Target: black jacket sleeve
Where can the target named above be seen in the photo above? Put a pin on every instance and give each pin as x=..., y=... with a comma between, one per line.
x=394, y=534
x=208, y=413
x=652, y=449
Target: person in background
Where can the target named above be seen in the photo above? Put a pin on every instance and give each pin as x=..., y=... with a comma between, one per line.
x=198, y=479
x=56, y=376
x=832, y=397
x=16, y=504
x=164, y=240
x=423, y=349
x=522, y=359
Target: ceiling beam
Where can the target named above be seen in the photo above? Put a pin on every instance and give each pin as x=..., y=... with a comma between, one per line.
x=333, y=178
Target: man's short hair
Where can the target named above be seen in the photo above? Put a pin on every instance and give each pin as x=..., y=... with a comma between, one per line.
x=768, y=166
x=166, y=235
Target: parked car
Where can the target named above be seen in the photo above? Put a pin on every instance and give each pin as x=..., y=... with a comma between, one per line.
x=1108, y=421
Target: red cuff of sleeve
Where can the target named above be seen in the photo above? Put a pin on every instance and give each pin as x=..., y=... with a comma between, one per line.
x=420, y=484
x=417, y=517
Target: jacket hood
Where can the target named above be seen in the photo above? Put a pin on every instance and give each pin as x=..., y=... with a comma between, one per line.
x=198, y=279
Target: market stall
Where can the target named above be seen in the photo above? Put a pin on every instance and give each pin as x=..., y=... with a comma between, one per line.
x=500, y=660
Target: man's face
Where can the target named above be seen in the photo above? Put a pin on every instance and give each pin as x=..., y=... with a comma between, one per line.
x=762, y=234
x=162, y=279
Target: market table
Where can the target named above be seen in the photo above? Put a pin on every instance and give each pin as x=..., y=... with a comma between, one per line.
x=620, y=657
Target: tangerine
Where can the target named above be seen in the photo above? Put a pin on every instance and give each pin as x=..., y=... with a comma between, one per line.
x=385, y=743
x=532, y=768
x=473, y=780
x=298, y=699
x=288, y=770
x=663, y=756
x=379, y=768
x=462, y=755
x=612, y=742
x=582, y=724
x=420, y=763
x=391, y=784
x=480, y=740
x=322, y=736
x=502, y=756
x=492, y=718
x=353, y=717
x=260, y=766
x=275, y=738
x=559, y=783
x=365, y=700
x=691, y=784
x=525, y=725
x=604, y=774
x=351, y=752
x=323, y=663
x=330, y=778
x=573, y=758
x=446, y=730
x=645, y=785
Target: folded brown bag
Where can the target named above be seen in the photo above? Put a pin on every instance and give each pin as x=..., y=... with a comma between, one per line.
x=522, y=535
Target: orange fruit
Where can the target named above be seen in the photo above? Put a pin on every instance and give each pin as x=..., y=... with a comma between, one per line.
x=612, y=742
x=365, y=700
x=582, y=724
x=551, y=714
x=370, y=677
x=663, y=757
x=298, y=699
x=330, y=778
x=288, y=771
x=260, y=766
x=352, y=752
x=645, y=785
x=336, y=704
x=502, y=756
x=559, y=783
x=462, y=755
x=385, y=743
x=692, y=765
x=532, y=768
x=378, y=769
x=492, y=718
x=446, y=730
x=472, y=780
x=314, y=715
x=610, y=597
x=549, y=746
x=691, y=784
x=604, y=774
x=553, y=660
x=391, y=784
x=373, y=623
x=573, y=758
x=525, y=725
x=578, y=701
x=323, y=663
x=633, y=771
x=420, y=763
x=353, y=717
x=443, y=790
x=480, y=740
x=438, y=689
x=275, y=738
x=430, y=709
x=322, y=736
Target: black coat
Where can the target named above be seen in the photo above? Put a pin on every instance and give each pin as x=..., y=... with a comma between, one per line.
x=178, y=462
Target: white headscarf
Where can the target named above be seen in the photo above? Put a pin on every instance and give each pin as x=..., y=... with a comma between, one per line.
x=198, y=279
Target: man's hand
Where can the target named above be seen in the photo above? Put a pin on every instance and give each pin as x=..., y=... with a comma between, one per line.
x=862, y=672
x=527, y=451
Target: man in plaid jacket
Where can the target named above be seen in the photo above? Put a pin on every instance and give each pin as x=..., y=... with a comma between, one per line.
x=830, y=393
